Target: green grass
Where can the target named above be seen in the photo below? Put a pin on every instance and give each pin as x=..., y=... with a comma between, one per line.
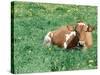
x=31, y=23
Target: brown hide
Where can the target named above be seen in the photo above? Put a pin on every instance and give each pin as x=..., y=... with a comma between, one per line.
x=59, y=35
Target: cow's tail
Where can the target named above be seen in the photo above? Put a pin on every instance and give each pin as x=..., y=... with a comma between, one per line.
x=48, y=39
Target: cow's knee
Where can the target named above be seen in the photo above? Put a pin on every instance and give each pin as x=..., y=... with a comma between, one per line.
x=65, y=45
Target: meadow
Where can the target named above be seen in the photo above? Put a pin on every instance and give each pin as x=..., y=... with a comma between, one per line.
x=31, y=23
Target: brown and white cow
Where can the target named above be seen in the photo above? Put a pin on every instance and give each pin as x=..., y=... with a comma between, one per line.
x=67, y=37
x=61, y=37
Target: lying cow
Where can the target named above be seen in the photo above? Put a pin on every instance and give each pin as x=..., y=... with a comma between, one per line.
x=62, y=37
x=68, y=37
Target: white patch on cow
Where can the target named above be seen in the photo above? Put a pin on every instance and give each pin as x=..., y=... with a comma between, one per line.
x=51, y=34
x=65, y=45
x=47, y=39
x=82, y=42
x=69, y=35
x=73, y=33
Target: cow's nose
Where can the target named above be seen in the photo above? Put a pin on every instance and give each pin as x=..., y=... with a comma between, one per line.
x=80, y=45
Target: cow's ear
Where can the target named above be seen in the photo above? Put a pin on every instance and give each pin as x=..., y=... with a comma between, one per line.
x=90, y=28
x=70, y=27
x=75, y=26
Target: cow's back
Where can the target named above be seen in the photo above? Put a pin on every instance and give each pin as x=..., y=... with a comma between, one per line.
x=59, y=36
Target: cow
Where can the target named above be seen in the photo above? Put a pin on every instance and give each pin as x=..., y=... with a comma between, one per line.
x=70, y=36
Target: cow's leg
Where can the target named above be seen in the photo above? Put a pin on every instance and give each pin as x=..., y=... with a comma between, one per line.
x=66, y=39
x=65, y=45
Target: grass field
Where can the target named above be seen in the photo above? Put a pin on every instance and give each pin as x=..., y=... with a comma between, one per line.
x=31, y=23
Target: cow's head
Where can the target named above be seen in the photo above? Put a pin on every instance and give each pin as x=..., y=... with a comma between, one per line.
x=82, y=29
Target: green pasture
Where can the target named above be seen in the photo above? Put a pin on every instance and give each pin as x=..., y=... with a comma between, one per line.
x=31, y=23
